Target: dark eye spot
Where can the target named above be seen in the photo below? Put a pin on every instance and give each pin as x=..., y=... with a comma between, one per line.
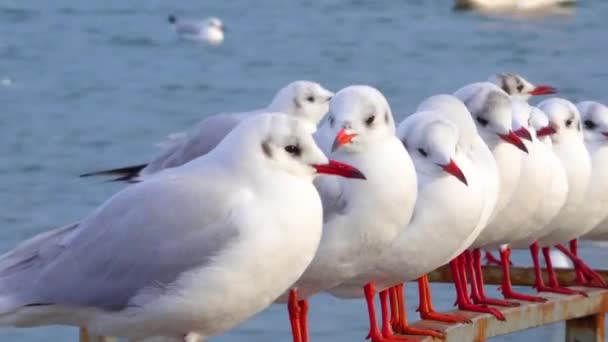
x=293, y=150
x=332, y=121
x=386, y=117
x=520, y=87
x=370, y=120
x=590, y=124
x=482, y=121
x=266, y=149
x=422, y=152
x=310, y=99
x=568, y=122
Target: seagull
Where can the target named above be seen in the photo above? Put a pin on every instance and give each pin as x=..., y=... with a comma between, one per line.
x=572, y=221
x=515, y=221
x=470, y=141
x=510, y=4
x=553, y=201
x=169, y=256
x=491, y=108
x=441, y=226
x=361, y=219
x=520, y=88
x=210, y=30
x=595, y=129
x=306, y=100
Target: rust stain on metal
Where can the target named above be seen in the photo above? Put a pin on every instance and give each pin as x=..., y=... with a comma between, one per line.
x=481, y=330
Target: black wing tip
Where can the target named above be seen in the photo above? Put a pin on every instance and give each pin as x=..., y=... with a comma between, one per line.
x=128, y=173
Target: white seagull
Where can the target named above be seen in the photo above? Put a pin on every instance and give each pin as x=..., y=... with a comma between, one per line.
x=517, y=5
x=210, y=30
x=595, y=128
x=306, y=100
x=361, y=219
x=454, y=110
x=446, y=216
x=178, y=253
x=491, y=108
x=520, y=88
x=576, y=217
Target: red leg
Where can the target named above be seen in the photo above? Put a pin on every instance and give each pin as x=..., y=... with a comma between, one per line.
x=401, y=308
x=553, y=284
x=393, y=298
x=480, y=290
x=506, y=287
x=596, y=280
x=426, y=305
x=405, y=329
x=294, y=315
x=303, y=306
x=387, y=332
x=538, y=275
x=580, y=276
x=491, y=259
x=463, y=301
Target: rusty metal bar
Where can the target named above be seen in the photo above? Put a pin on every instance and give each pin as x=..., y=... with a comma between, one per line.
x=584, y=316
x=86, y=337
x=519, y=275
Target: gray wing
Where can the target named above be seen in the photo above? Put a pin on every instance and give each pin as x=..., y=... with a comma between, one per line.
x=142, y=238
x=188, y=28
x=202, y=139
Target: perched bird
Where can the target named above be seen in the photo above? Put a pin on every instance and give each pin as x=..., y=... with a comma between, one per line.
x=471, y=143
x=169, y=256
x=520, y=88
x=361, y=219
x=571, y=222
x=595, y=129
x=491, y=108
x=446, y=216
x=551, y=204
x=305, y=100
x=210, y=30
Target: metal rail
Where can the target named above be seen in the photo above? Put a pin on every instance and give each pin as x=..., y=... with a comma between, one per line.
x=584, y=316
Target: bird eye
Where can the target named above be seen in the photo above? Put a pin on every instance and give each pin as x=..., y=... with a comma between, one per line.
x=332, y=121
x=520, y=87
x=568, y=122
x=310, y=99
x=590, y=124
x=482, y=121
x=422, y=152
x=370, y=120
x=293, y=149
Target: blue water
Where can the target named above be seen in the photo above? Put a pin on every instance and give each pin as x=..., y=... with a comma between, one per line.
x=87, y=85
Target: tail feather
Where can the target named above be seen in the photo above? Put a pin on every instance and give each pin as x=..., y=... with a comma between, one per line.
x=129, y=173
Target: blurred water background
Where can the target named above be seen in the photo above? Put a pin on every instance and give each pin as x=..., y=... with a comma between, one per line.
x=94, y=84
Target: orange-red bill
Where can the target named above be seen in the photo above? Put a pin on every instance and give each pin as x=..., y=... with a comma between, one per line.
x=339, y=169
x=524, y=133
x=455, y=171
x=342, y=138
x=543, y=90
x=547, y=130
x=512, y=138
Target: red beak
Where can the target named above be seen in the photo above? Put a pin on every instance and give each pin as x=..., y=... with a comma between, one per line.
x=342, y=138
x=455, y=171
x=547, y=130
x=543, y=90
x=512, y=138
x=339, y=169
x=524, y=134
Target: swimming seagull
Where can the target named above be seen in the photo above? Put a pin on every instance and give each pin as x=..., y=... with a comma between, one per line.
x=305, y=100
x=195, y=249
x=210, y=30
x=361, y=219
